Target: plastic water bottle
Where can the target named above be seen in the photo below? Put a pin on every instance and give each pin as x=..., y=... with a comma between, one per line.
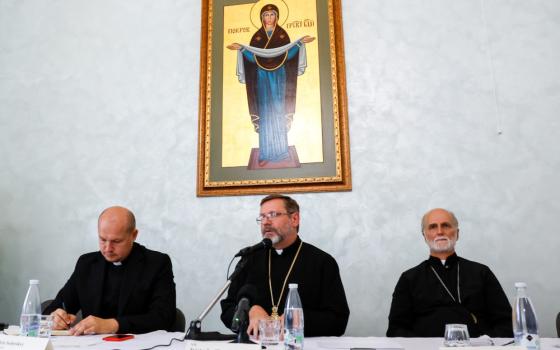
x=31, y=311
x=525, y=327
x=293, y=320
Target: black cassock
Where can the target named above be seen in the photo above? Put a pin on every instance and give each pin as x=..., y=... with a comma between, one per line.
x=422, y=306
x=320, y=288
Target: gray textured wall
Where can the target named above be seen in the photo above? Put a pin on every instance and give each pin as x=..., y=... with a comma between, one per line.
x=98, y=106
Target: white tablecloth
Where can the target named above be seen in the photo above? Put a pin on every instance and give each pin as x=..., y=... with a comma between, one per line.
x=405, y=343
x=143, y=341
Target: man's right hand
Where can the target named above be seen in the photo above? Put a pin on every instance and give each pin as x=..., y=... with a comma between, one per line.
x=256, y=313
x=62, y=319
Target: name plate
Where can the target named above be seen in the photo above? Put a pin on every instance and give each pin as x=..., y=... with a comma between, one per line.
x=216, y=345
x=13, y=342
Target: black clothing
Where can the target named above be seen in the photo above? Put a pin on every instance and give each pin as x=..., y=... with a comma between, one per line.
x=319, y=286
x=422, y=307
x=146, y=297
x=111, y=290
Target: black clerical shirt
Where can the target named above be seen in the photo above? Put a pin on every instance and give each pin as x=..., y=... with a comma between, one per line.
x=422, y=306
x=320, y=288
x=111, y=289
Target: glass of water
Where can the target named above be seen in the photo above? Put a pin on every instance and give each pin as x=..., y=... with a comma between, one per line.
x=45, y=327
x=456, y=335
x=269, y=332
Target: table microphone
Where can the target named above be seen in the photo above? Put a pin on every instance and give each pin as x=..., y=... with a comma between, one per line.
x=264, y=244
x=195, y=328
x=240, y=321
x=245, y=299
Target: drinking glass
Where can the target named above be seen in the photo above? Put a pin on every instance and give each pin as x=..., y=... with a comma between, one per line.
x=456, y=335
x=269, y=332
x=45, y=326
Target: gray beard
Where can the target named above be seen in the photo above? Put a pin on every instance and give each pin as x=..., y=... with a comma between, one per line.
x=436, y=248
x=276, y=238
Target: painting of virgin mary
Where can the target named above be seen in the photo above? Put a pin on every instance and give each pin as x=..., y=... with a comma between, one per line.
x=269, y=67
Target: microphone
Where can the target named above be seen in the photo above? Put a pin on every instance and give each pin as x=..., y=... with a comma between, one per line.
x=264, y=244
x=241, y=315
x=240, y=321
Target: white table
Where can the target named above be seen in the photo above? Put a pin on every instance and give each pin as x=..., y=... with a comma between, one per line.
x=321, y=343
x=407, y=343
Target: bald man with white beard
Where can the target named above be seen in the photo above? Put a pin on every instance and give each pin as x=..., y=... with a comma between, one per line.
x=447, y=289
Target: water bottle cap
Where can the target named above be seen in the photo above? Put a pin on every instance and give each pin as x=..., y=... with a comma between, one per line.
x=520, y=285
x=292, y=285
x=33, y=281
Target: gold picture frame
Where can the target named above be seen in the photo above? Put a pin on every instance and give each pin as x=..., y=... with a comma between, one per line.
x=265, y=126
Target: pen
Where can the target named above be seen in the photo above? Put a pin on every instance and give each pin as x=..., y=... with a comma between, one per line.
x=64, y=308
x=509, y=343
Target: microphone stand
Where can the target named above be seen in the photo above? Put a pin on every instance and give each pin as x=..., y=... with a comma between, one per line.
x=195, y=328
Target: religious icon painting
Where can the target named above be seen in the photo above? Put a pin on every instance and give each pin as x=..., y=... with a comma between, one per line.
x=272, y=107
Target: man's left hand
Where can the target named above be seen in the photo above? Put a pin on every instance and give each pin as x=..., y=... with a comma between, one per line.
x=95, y=325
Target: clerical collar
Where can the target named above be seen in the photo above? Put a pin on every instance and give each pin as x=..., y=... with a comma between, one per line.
x=123, y=262
x=290, y=250
x=449, y=261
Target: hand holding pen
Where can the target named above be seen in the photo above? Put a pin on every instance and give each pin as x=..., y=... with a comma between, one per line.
x=62, y=319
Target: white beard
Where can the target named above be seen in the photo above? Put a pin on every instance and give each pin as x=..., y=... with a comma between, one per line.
x=436, y=245
x=273, y=235
x=275, y=239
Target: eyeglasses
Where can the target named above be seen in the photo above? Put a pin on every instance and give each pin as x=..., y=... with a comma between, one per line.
x=270, y=216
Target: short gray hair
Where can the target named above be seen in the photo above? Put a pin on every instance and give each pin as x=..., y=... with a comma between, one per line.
x=454, y=220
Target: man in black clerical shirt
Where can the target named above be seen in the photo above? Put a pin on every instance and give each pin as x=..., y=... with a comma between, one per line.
x=291, y=260
x=447, y=289
x=123, y=288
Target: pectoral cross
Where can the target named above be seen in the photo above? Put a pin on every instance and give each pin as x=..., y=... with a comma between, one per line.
x=274, y=314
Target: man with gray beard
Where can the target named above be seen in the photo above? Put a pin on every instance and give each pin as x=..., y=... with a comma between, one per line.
x=269, y=272
x=447, y=289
